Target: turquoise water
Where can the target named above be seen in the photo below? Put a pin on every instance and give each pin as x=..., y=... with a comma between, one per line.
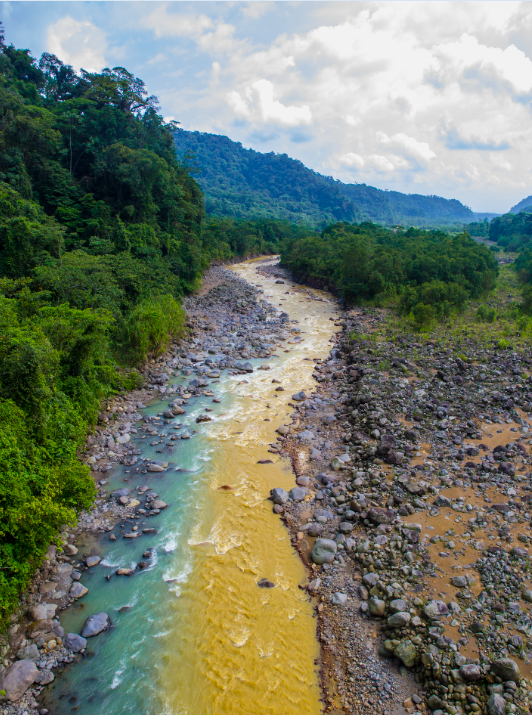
x=192, y=633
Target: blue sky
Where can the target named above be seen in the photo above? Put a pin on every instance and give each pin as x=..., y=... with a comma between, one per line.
x=424, y=97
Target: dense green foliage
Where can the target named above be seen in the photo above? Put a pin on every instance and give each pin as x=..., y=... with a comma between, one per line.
x=512, y=231
x=423, y=268
x=101, y=232
x=242, y=183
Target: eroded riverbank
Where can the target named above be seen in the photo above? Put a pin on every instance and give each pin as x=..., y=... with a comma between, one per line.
x=207, y=615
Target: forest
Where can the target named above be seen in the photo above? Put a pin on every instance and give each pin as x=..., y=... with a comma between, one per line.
x=242, y=183
x=102, y=230
x=427, y=272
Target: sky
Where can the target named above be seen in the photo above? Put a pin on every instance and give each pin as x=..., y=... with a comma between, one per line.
x=417, y=97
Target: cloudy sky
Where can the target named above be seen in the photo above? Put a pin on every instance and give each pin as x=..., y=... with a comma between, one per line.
x=420, y=97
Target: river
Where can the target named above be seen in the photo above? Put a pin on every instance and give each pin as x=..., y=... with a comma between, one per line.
x=193, y=633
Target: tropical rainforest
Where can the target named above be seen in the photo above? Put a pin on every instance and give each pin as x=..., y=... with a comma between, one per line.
x=103, y=228
x=242, y=183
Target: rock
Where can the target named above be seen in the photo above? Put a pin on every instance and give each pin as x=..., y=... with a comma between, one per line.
x=376, y=606
x=380, y=516
x=44, y=611
x=336, y=464
x=95, y=624
x=154, y=468
x=74, y=642
x=297, y=494
x=496, y=705
x=406, y=651
x=398, y=606
x=78, y=590
x=16, y=679
x=314, y=585
x=399, y=619
x=264, y=583
x=507, y=468
x=442, y=501
x=159, y=505
x=471, y=673
x=279, y=496
x=324, y=551
x=346, y=528
x=339, y=599
x=435, y=702
x=303, y=480
x=315, y=530
x=301, y=396
x=125, y=571
x=92, y=560
x=370, y=579
x=527, y=595
x=70, y=549
x=203, y=418
x=459, y=581
x=44, y=677
x=435, y=609
x=506, y=669
x=30, y=652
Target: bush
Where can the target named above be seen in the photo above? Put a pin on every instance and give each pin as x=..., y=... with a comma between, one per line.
x=149, y=327
x=486, y=314
x=423, y=316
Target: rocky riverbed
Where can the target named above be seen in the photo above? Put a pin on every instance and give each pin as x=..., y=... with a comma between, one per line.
x=413, y=515
x=228, y=325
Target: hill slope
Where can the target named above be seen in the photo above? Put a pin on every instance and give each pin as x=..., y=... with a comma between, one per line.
x=525, y=203
x=243, y=183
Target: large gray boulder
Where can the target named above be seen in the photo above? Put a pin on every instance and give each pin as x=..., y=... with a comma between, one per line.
x=44, y=611
x=74, y=642
x=496, y=705
x=30, y=652
x=506, y=669
x=399, y=619
x=323, y=551
x=279, y=496
x=95, y=624
x=434, y=609
x=297, y=494
x=78, y=590
x=16, y=679
x=471, y=673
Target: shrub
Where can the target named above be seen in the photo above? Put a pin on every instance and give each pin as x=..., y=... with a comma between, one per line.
x=149, y=327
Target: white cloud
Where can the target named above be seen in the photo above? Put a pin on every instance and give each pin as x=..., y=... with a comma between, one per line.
x=402, y=94
x=352, y=160
x=78, y=43
x=258, y=101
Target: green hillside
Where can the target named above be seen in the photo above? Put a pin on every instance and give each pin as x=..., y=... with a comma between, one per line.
x=242, y=183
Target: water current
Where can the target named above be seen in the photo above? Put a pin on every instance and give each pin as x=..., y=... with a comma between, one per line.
x=193, y=633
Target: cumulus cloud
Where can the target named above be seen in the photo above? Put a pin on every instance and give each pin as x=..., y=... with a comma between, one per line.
x=398, y=94
x=78, y=43
x=257, y=101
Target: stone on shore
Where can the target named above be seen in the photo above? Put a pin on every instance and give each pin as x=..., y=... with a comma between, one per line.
x=324, y=551
x=74, y=642
x=78, y=590
x=279, y=496
x=95, y=624
x=17, y=679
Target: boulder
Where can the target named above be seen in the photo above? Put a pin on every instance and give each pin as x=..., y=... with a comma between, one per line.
x=17, y=679
x=459, y=581
x=95, y=624
x=74, y=642
x=30, y=652
x=399, y=619
x=44, y=611
x=70, y=549
x=506, y=669
x=407, y=652
x=78, y=590
x=434, y=609
x=496, y=705
x=324, y=551
x=44, y=677
x=380, y=516
x=159, y=505
x=397, y=606
x=279, y=496
x=471, y=673
x=339, y=599
x=301, y=396
x=297, y=494
x=92, y=560
x=376, y=606
x=346, y=528
x=154, y=468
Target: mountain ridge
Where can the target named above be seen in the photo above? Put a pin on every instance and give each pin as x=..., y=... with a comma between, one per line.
x=244, y=183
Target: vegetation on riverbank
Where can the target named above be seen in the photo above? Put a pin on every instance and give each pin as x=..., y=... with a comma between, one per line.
x=428, y=274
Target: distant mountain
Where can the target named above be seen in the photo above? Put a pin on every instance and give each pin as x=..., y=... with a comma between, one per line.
x=242, y=183
x=522, y=206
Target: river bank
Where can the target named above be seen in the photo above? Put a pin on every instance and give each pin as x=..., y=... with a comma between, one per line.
x=233, y=330
x=416, y=527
